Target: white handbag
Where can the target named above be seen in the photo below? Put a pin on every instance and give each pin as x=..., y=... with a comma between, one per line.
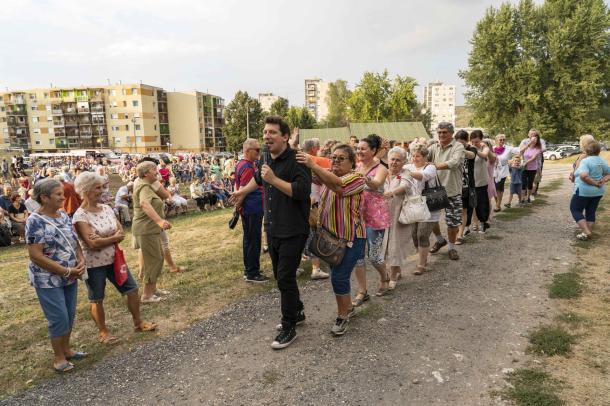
x=414, y=208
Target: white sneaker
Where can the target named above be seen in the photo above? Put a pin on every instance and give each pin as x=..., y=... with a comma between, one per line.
x=532, y=198
x=300, y=271
x=318, y=274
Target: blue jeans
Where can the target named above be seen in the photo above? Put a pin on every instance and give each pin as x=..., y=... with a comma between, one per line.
x=588, y=205
x=340, y=274
x=96, y=283
x=252, y=225
x=59, y=307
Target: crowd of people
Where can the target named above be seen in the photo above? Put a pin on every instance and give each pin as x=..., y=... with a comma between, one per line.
x=371, y=200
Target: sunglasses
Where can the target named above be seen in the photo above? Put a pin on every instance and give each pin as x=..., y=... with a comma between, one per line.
x=338, y=158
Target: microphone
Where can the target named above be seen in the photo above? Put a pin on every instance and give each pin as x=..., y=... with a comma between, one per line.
x=266, y=155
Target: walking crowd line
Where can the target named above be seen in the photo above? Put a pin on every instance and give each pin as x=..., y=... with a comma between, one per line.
x=345, y=204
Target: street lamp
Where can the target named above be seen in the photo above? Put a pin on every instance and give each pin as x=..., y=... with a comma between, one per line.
x=135, y=145
x=169, y=148
x=248, y=108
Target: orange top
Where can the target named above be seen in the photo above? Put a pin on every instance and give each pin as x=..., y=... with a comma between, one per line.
x=73, y=201
x=321, y=161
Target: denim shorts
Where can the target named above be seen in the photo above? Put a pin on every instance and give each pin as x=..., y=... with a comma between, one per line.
x=340, y=274
x=59, y=307
x=374, y=242
x=96, y=283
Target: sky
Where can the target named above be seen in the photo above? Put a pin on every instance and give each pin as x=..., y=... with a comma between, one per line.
x=224, y=46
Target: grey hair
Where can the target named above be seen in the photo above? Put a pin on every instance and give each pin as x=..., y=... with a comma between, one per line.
x=248, y=143
x=400, y=151
x=420, y=149
x=585, y=140
x=310, y=144
x=45, y=187
x=85, y=181
x=445, y=125
x=144, y=167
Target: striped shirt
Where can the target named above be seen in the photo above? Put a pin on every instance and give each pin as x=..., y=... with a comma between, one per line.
x=341, y=212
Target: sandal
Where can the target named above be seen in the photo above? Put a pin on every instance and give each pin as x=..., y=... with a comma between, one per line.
x=108, y=339
x=63, y=368
x=360, y=298
x=152, y=299
x=583, y=237
x=382, y=291
x=178, y=269
x=459, y=241
x=420, y=270
x=392, y=285
x=77, y=356
x=145, y=326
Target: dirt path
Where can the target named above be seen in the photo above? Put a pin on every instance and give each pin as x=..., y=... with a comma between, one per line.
x=441, y=338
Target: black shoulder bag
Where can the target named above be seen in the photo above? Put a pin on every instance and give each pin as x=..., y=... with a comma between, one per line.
x=436, y=197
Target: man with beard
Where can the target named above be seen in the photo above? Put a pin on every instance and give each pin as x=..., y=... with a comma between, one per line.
x=287, y=186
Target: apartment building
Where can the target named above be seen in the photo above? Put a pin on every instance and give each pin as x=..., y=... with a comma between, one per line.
x=126, y=117
x=316, y=91
x=197, y=121
x=439, y=99
x=266, y=100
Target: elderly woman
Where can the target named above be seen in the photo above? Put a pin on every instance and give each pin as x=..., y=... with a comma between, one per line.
x=56, y=261
x=376, y=215
x=397, y=237
x=422, y=173
x=179, y=202
x=147, y=223
x=501, y=169
x=18, y=214
x=583, y=142
x=99, y=230
x=590, y=181
x=341, y=215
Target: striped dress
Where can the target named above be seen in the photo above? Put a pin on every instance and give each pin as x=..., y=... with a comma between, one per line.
x=341, y=212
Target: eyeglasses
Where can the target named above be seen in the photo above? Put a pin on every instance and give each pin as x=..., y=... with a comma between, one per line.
x=338, y=158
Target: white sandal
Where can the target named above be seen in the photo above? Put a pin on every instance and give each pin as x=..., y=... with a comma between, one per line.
x=582, y=237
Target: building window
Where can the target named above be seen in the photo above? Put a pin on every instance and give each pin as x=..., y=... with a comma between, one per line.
x=34, y=119
x=155, y=127
x=137, y=127
x=136, y=115
x=32, y=96
x=114, y=104
x=113, y=92
x=138, y=139
x=51, y=130
x=114, y=116
x=126, y=116
x=49, y=118
x=123, y=92
x=117, y=140
x=46, y=95
x=115, y=128
x=34, y=108
x=126, y=127
x=36, y=130
x=37, y=142
x=134, y=91
x=51, y=140
x=135, y=103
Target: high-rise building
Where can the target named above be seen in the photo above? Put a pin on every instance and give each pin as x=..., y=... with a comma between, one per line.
x=125, y=117
x=439, y=99
x=266, y=100
x=197, y=121
x=316, y=91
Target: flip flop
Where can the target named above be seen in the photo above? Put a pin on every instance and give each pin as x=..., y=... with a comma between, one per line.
x=459, y=241
x=78, y=355
x=145, y=326
x=108, y=339
x=178, y=269
x=152, y=299
x=63, y=368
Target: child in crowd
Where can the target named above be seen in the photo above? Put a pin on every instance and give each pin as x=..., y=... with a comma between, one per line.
x=515, y=180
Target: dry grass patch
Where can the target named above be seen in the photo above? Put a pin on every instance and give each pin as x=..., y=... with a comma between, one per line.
x=202, y=242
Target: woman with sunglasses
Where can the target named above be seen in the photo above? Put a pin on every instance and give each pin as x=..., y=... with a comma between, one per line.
x=341, y=215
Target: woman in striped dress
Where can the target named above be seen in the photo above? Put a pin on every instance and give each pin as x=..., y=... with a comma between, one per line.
x=341, y=214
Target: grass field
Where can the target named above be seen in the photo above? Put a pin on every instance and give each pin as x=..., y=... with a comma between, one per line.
x=200, y=241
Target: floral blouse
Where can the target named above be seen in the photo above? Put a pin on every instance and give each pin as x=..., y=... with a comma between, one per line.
x=55, y=246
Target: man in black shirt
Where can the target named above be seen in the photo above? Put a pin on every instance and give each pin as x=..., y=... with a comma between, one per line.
x=287, y=186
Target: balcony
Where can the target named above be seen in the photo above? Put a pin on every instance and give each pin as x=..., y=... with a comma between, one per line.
x=59, y=132
x=17, y=100
x=58, y=122
x=82, y=98
x=85, y=132
x=57, y=111
x=84, y=120
x=83, y=110
x=100, y=131
x=70, y=123
x=97, y=109
x=13, y=110
x=98, y=120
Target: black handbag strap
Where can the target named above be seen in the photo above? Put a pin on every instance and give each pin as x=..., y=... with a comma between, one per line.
x=426, y=186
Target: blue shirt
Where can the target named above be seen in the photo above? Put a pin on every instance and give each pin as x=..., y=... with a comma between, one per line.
x=597, y=168
x=55, y=247
x=515, y=176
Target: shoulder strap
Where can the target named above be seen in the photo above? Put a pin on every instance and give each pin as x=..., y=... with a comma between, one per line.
x=374, y=167
x=36, y=215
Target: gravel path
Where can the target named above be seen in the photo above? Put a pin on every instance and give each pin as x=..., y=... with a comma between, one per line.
x=441, y=338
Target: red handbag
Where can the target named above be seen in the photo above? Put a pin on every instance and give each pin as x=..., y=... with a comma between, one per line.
x=121, y=272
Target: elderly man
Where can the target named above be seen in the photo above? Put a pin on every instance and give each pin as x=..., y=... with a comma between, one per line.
x=311, y=147
x=121, y=202
x=251, y=211
x=5, y=199
x=448, y=157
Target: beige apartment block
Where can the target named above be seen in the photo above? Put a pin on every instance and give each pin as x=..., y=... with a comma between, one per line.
x=439, y=99
x=197, y=121
x=316, y=91
x=126, y=117
x=266, y=100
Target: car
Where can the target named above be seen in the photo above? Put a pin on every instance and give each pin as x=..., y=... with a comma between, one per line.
x=553, y=155
x=568, y=150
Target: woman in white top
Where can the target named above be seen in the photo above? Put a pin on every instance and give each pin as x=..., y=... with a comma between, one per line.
x=501, y=171
x=98, y=231
x=422, y=173
x=179, y=202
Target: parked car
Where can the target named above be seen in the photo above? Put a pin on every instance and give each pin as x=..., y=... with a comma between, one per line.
x=568, y=150
x=553, y=155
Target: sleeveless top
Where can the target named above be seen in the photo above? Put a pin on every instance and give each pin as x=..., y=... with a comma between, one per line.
x=376, y=211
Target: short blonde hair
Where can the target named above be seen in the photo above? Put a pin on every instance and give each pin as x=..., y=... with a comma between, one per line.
x=585, y=140
x=144, y=167
x=85, y=181
x=419, y=148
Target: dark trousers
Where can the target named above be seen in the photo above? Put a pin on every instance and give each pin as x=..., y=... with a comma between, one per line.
x=583, y=204
x=285, y=256
x=252, y=225
x=482, y=207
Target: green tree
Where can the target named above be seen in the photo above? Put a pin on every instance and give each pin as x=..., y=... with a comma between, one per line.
x=377, y=98
x=300, y=117
x=279, y=107
x=423, y=115
x=544, y=66
x=235, y=120
x=336, y=98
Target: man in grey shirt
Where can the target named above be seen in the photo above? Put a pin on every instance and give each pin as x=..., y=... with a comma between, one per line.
x=448, y=156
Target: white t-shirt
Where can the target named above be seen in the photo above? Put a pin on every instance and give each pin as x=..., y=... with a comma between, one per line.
x=118, y=198
x=429, y=175
x=104, y=224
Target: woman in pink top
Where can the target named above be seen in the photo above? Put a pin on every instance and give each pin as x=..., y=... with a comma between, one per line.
x=531, y=152
x=376, y=216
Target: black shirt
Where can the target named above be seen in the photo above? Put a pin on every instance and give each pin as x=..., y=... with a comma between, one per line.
x=287, y=216
x=12, y=210
x=468, y=178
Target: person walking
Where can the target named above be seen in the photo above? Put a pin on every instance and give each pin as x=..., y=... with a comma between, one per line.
x=287, y=186
x=447, y=156
x=251, y=212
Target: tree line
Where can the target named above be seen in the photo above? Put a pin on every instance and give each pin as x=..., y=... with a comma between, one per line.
x=543, y=66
